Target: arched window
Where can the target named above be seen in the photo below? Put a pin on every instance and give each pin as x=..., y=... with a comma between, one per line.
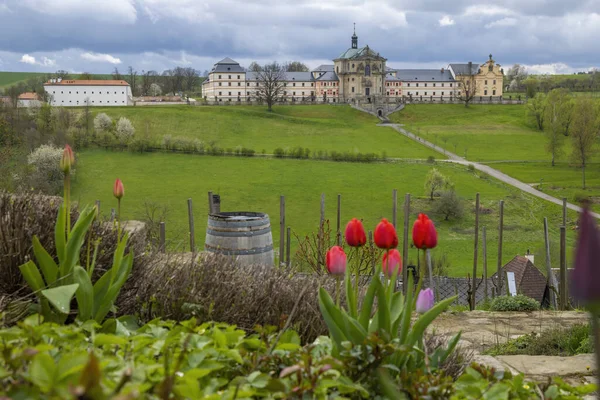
x=368, y=70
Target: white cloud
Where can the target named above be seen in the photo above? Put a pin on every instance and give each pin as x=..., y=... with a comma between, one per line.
x=27, y=59
x=554, y=68
x=47, y=62
x=446, y=21
x=4, y=9
x=97, y=57
x=119, y=11
x=509, y=21
x=487, y=10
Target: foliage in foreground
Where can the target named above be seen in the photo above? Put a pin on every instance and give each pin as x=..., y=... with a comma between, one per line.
x=514, y=303
x=164, y=359
x=553, y=342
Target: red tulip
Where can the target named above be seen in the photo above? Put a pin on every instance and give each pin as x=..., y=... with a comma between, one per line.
x=586, y=275
x=67, y=160
x=336, y=261
x=118, y=189
x=385, y=235
x=355, y=233
x=392, y=260
x=424, y=233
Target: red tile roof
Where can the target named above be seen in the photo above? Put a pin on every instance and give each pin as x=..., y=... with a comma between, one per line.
x=29, y=96
x=91, y=82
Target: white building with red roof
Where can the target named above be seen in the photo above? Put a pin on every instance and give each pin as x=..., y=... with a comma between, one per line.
x=73, y=93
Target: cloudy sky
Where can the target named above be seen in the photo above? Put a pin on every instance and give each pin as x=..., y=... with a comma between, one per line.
x=549, y=36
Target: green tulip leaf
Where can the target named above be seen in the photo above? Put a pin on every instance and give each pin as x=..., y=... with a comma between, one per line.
x=350, y=295
x=45, y=261
x=75, y=240
x=383, y=310
x=32, y=276
x=426, y=319
x=60, y=234
x=328, y=310
x=84, y=294
x=367, y=305
x=60, y=297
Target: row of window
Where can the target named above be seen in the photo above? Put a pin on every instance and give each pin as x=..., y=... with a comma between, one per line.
x=108, y=102
x=408, y=84
x=230, y=76
x=256, y=93
x=392, y=84
x=85, y=92
x=485, y=92
x=486, y=81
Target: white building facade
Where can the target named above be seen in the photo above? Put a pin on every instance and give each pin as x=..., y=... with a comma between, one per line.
x=73, y=93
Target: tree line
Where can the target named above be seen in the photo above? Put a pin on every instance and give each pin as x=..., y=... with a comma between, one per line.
x=563, y=117
x=519, y=80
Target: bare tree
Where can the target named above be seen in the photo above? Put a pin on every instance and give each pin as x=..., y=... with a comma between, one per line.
x=557, y=112
x=271, y=79
x=148, y=78
x=584, y=132
x=191, y=78
x=467, y=85
x=132, y=80
x=295, y=66
x=254, y=66
x=116, y=75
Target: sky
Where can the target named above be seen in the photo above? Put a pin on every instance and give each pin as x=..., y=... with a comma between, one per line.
x=547, y=36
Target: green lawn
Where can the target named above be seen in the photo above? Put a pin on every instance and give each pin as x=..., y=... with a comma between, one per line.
x=10, y=78
x=255, y=184
x=316, y=127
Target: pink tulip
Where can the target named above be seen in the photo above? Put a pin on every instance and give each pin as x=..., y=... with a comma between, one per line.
x=425, y=301
x=392, y=262
x=67, y=160
x=118, y=189
x=336, y=261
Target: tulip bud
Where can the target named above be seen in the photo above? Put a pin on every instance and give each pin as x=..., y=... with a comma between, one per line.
x=336, y=261
x=586, y=275
x=67, y=160
x=385, y=235
x=355, y=233
x=392, y=260
x=118, y=189
x=424, y=233
x=425, y=301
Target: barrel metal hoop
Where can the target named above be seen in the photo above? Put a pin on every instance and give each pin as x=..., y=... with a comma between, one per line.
x=238, y=224
x=259, y=232
x=239, y=252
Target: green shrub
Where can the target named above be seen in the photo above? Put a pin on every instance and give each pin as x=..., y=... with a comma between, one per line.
x=471, y=168
x=514, y=303
x=431, y=160
x=279, y=152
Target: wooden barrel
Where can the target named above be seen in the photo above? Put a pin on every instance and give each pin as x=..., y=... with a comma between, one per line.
x=244, y=235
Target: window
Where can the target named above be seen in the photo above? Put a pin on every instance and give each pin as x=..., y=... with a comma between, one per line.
x=84, y=92
x=417, y=85
x=229, y=83
x=115, y=93
x=92, y=101
x=294, y=84
x=442, y=85
x=433, y=93
x=229, y=76
x=230, y=93
x=239, y=93
x=368, y=70
x=387, y=84
x=312, y=93
x=256, y=83
x=388, y=93
x=100, y=101
x=352, y=66
x=494, y=81
x=69, y=92
x=312, y=84
x=219, y=76
x=408, y=84
x=219, y=83
x=293, y=93
x=238, y=77
x=425, y=85
x=54, y=92
x=486, y=81
x=285, y=84
x=352, y=89
x=248, y=84
x=284, y=93
x=61, y=92
x=417, y=93
x=425, y=93
x=239, y=83
x=494, y=92
x=442, y=93
x=450, y=85
x=485, y=92
x=92, y=92
x=434, y=85
x=303, y=84
x=219, y=93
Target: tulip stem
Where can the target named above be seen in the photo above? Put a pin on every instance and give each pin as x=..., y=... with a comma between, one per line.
x=357, y=263
x=118, y=220
x=338, y=282
x=67, y=202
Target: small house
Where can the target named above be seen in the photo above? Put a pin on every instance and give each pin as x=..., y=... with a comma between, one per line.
x=528, y=278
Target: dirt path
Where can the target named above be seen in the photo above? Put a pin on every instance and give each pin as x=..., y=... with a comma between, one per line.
x=485, y=168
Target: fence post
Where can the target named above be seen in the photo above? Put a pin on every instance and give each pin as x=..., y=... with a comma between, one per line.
x=564, y=298
x=485, y=271
x=475, y=251
x=162, y=238
x=550, y=281
x=500, y=232
x=191, y=220
x=371, y=248
x=281, y=229
x=288, y=246
x=210, y=202
x=395, y=207
x=405, y=241
x=322, y=208
x=564, y=215
x=339, y=216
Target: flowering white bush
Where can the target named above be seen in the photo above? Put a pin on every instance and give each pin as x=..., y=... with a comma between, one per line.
x=102, y=123
x=154, y=90
x=45, y=169
x=125, y=130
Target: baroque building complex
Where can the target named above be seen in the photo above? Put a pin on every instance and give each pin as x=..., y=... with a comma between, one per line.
x=360, y=75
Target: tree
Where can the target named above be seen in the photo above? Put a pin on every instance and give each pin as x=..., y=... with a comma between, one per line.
x=154, y=90
x=124, y=130
x=449, y=205
x=148, y=78
x=536, y=108
x=102, y=123
x=584, y=132
x=516, y=75
x=271, y=78
x=86, y=76
x=254, y=66
x=191, y=79
x=295, y=66
x=45, y=119
x=132, y=80
x=557, y=112
x=467, y=85
x=531, y=86
x=62, y=74
x=436, y=181
x=116, y=75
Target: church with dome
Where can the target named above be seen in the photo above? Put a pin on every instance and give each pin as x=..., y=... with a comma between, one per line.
x=359, y=75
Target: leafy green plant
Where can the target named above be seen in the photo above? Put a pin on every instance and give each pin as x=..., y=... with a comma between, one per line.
x=514, y=303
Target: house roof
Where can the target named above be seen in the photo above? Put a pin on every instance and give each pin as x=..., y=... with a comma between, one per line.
x=327, y=76
x=352, y=53
x=324, y=68
x=228, y=60
x=528, y=278
x=288, y=76
x=391, y=77
x=428, y=75
x=29, y=96
x=91, y=82
x=463, y=69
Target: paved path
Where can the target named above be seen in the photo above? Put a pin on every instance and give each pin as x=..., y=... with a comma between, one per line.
x=485, y=168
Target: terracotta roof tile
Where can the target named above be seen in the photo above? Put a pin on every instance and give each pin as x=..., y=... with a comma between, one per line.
x=29, y=96
x=92, y=82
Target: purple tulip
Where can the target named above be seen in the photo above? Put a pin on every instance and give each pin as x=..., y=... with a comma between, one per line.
x=425, y=301
x=586, y=276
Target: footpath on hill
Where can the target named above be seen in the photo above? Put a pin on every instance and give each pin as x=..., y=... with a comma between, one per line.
x=484, y=168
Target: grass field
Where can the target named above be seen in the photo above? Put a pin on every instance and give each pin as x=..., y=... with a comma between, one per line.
x=11, y=78
x=255, y=184
x=316, y=127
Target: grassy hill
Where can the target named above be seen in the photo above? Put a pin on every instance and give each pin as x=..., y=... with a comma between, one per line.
x=256, y=184
x=322, y=127
x=11, y=78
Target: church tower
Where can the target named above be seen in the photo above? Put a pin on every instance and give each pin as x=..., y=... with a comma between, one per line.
x=354, y=38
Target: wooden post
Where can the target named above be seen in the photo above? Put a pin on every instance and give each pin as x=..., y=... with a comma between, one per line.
x=564, y=211
x=288, y=246
x=500, y=232
x=210, y=202
x=564, y=298
x=339, y=216
x=485, y=272
x=405, y=241
x=162, y=238
x=395, y=207
x=371, y=248
x=550, y=281
x=322, y=208
x=281, y=229
x=191, y=220
x=475, y=251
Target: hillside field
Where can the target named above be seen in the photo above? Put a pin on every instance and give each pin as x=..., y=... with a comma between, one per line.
x=316, y=127
x=255, y=184
x=11, y=78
